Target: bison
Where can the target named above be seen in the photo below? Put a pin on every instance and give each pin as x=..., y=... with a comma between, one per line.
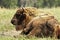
x=38, y=26
x=56, y=25
x=23, y=16
x=43, y=27
x=32, y=23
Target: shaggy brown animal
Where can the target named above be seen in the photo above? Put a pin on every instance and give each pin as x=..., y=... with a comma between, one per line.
x=43, y=27
x=56, y=25
x=58, y=31
x=38, y=26
x=23, y=16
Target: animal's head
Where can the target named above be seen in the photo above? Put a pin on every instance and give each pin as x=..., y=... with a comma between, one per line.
x=19, y=17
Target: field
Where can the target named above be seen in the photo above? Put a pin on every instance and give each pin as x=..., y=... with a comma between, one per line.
x=5, y=25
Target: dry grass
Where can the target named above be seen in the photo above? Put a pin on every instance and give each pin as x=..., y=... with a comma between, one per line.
x=5, y=25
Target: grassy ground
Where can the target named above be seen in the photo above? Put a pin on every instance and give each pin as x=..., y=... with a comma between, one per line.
x=5, y=25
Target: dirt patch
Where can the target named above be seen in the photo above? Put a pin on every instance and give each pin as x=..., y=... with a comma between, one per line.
x=12, y=33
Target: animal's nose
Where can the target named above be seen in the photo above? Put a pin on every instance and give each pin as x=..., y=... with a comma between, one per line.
x=12, y=21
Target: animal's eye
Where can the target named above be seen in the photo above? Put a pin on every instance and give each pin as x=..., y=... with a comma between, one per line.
x=17, y=15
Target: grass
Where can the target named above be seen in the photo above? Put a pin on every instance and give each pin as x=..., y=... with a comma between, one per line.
x=5, y=17
x=24, y=38
x=5, y=25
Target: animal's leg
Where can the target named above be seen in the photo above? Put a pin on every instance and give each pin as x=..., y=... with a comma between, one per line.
x=28, y=28
x=34, y=32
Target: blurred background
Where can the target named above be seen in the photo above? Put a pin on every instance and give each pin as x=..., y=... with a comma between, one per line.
x=33, y=3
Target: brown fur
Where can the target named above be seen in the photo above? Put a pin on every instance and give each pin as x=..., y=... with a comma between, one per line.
x=43, y=26
x=27, y=13
x=38, y=27
x=21, y=22
x=58, y=31
x=56, y=25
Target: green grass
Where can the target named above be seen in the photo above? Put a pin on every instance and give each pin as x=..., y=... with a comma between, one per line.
x=24, y=38
x=7, y=38
x=55, y=11
x=5, y=18
x=5, y=25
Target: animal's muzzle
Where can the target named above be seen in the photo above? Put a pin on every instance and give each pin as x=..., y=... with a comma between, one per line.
x=13, y=22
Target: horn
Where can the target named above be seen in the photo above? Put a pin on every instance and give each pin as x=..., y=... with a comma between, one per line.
x=22, y=10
